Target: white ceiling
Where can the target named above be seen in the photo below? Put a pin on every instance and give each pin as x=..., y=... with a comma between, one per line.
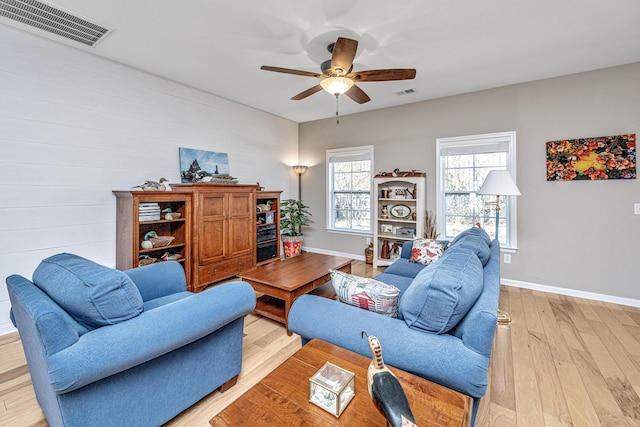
x=457, y=46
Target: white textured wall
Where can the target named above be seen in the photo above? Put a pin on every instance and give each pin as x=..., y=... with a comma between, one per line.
x=579, y=236
x=74, y=127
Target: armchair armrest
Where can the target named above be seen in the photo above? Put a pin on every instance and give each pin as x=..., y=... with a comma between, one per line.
x=159, y=279
x=112, y=349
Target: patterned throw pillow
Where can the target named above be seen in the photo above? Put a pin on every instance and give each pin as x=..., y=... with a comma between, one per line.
x=426, y=251
x=365, y=293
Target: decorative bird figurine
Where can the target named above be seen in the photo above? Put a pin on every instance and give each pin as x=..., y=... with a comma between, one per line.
x=150, y=235
x=385, y=389
x=153, y=185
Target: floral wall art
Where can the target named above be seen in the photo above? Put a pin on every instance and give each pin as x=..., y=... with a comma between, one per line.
x=603, y=157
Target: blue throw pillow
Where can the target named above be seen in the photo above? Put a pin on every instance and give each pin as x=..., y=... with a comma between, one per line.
x=442, y=294
x=94, y=295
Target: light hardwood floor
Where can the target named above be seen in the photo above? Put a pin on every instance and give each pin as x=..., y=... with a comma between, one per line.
x=562, y=361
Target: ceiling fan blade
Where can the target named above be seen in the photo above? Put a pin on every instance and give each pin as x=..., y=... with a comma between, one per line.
x=344, y=51
x=383, y=75
x=290, y=71
x=308, y=92
x=357, y=95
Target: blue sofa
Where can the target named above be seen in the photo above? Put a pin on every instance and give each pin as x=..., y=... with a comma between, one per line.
x=129, y=348
x=437, y=335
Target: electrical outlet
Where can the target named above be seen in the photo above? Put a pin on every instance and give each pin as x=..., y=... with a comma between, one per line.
x=636, y=208
x=507, y=258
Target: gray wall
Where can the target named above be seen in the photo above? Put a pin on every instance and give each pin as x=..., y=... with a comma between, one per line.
x=577, y=235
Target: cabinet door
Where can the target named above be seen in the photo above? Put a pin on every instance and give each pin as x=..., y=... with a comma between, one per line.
x=212, y=242
x=241, y=227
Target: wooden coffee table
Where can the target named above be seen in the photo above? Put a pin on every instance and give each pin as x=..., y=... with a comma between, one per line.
x=283, y=281
x=282, y=397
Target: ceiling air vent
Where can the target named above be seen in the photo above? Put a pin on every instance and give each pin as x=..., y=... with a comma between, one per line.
x=45, y=17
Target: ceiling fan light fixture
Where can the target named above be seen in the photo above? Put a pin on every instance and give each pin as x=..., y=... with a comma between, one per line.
x=336, y=85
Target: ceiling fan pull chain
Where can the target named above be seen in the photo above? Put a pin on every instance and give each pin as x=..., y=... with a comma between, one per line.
x=337, y=115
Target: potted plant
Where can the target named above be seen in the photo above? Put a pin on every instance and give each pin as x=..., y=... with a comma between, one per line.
x=293, y=216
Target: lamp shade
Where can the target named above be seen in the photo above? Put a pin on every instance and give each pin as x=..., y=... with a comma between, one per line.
x=336, y=85
x=499, y=183
x=299, y=169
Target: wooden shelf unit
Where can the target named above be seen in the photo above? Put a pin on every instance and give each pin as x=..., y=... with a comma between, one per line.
x=390, y=191
x=224, y=240
x=130, y=231
x=268, y=227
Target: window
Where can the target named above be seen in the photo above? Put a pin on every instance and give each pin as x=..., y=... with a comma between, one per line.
x=464, y=163
x=349, y=180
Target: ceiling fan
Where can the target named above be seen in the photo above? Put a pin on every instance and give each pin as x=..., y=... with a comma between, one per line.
x=338, y=76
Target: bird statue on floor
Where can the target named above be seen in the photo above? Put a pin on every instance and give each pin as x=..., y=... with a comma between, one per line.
x=385, y=389
x=153, y=185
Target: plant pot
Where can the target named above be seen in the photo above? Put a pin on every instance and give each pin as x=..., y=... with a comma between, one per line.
x=292, y=245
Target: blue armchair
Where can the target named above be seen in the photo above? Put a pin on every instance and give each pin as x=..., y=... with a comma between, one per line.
x=129, y=348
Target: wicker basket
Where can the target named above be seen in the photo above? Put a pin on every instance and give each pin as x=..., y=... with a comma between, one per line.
x=146, y=261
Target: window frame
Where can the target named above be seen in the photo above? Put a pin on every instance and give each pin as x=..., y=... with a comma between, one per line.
x=359, y=151
x=469, y=141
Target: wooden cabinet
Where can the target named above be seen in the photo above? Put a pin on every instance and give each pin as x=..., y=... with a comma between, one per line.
x=267, y=226
x=223, y=230
x=399, y=213
x=139, y=213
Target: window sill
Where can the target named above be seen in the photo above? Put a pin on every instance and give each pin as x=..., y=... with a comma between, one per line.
x=350, y=232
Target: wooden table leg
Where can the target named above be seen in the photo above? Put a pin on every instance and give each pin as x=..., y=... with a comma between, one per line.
x=287, y=306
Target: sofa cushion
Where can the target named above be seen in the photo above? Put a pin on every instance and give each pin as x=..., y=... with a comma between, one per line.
x=400, y=282
x=402, y=267
x=477, y=241
x=369, y=294
x=94, y=295
x=426, y=251
x=442, y=294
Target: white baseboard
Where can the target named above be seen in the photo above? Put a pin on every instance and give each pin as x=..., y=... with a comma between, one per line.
x=571, y=292
x=520, y=284
x=7, y=328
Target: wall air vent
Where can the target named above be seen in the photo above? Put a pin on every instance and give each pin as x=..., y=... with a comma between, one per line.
x=45, y=17
x=404, y=92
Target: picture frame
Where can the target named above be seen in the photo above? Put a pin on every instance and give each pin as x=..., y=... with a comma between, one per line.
x=596, y=158
x=386, y=229
x=201, y=165
x=268, y=218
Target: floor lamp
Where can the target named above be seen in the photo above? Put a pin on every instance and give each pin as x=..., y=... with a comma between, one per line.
x=299, y=170
x=499, y=183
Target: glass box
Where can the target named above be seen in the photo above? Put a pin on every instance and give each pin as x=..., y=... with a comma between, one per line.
x=332, y=388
